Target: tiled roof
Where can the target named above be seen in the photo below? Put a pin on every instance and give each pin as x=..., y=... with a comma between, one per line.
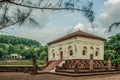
x=77, y=33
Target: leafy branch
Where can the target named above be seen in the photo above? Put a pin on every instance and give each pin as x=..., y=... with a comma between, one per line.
x=116, y=24
x=14, y=12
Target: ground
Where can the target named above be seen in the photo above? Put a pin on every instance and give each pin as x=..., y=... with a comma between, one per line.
x=27, y=76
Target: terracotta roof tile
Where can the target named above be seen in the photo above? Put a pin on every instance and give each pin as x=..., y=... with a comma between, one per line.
x=77, y=33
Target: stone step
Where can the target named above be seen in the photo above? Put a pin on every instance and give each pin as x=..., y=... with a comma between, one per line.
x=81, y=74
x=52, y=65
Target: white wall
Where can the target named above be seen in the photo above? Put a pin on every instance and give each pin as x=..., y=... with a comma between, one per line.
x=88, y=42
x=77, y=44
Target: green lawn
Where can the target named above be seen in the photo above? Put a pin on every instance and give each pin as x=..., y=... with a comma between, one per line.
x=20, y=63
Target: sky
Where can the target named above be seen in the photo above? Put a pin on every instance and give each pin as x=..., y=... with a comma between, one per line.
x=54, y=24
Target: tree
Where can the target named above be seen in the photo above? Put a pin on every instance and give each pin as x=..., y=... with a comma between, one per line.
x=17, y=40
x=27, y=53
x=11, y=49
x=3, y=46
x=107, y=54
x=112, y=47
x=22, y=46
x=45, y=48
x=116, y=61
x=19, y=11
x=2, y=52
x=43, y=55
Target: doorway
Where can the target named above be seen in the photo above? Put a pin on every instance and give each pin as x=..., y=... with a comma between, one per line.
x=61, y=55
x=91, y=52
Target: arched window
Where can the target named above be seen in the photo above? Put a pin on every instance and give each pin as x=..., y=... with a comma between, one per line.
x=84, y=51
x=97, y=52
x=70, y=50
x=91, y=50
x=53, y=53
x=60, y=50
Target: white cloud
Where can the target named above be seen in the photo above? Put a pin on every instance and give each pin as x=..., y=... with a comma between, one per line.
x=41, y=17
x=110, y=15
x=111, y=12
x=97, y=30
x=53, y=25
x=103, y=15
x=79, y=26
x=42, y=35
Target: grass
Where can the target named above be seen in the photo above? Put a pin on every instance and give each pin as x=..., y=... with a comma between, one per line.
x=20, y=63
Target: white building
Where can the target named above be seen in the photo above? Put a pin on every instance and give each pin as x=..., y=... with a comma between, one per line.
x=13, y=56
x=77, y=46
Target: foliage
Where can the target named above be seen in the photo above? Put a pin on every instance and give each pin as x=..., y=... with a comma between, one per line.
x=17, y=40
x=115, y=24
x=89, y=15
x=116, y=61
x=107, y=54
x=19, y=11
x=112, y=47
x=25, y=47
x=2, y=52
x=43, y=55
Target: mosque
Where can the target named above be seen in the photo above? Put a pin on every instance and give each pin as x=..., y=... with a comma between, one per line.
x=76, y=50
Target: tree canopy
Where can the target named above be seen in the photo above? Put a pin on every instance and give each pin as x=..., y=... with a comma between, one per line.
x=22, y=46
x=112, y=48
x=17, y=40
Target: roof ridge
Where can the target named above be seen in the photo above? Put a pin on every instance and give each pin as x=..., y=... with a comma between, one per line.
x=77, y=33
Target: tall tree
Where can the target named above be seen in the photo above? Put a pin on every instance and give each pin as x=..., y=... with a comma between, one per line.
x=112, y=47
x=2, y=52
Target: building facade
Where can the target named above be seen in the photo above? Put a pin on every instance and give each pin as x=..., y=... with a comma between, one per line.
x=77, y=48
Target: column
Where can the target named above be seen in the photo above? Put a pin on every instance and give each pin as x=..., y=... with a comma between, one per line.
x=47, y=62
x=34, y=67
x=109, y=63
x=91, y=62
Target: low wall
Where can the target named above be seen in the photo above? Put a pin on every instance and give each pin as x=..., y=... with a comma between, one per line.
x=17, y=68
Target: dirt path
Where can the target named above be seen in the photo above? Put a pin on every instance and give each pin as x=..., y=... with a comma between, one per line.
x=27, y=76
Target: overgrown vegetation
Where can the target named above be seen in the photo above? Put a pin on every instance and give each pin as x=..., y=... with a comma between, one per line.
x=112, y=48
x=17, y=40
x=25, y=47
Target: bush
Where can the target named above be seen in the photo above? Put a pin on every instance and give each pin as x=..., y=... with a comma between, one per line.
x=42, y=62
x=116, y=61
